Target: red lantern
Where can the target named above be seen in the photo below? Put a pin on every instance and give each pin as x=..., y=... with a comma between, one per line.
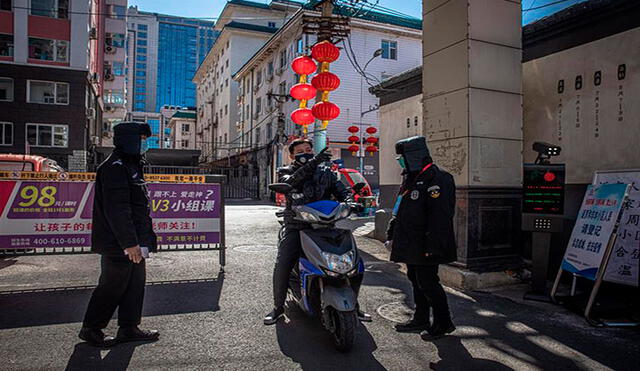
x=353, y=129
x=372, y=140
x=302, y=91
x=325, y=51
x=325, y=111
x=353, y=148
x=371, y=130
x=326, y=81
x=353, y=139
x=302, y=116
x=372, y=149
x=304, y=65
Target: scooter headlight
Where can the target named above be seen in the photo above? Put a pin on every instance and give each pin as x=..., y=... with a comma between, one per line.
x=308, y=217
x=340, y=263
x=345, y=211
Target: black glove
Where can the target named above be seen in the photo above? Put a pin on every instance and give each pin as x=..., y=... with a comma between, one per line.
x=322, y=157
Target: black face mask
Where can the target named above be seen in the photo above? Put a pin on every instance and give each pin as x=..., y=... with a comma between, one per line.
x=303, y=158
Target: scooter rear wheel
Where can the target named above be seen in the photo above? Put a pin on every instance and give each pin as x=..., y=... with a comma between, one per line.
x=344, y=333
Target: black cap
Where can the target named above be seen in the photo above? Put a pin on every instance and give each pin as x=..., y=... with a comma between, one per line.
x=126, y=136
x=415, y=152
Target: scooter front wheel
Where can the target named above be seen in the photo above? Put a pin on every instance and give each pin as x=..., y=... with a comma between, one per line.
x=344, y=329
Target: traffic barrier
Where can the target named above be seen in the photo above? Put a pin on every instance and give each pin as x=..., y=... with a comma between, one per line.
x=48, y=213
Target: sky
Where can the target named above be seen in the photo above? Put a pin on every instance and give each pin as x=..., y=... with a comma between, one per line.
x=212, y=8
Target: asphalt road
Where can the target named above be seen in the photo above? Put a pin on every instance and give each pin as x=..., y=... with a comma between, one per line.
x=213, y=321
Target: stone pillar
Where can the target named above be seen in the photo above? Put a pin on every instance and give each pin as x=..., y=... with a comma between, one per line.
x=472, y=102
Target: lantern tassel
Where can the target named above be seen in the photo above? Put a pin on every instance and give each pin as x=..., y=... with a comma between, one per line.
x=325, y=96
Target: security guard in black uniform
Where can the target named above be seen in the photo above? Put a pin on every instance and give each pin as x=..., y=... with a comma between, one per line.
x=312, y=181
x=421, y=235
x=122, y=233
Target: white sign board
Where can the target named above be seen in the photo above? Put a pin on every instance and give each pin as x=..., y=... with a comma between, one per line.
x=624, y=263
x=593, y=229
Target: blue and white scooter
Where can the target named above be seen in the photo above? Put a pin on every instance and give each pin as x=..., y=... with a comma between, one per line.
x=323, y=283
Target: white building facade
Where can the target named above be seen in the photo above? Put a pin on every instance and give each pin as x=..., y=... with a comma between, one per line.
x=269, y=71
x=244, y=27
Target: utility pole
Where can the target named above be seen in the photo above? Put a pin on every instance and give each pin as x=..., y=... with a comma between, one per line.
x=324, y=33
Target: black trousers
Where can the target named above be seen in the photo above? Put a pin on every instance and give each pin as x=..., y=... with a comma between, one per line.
x=289, y=250
x=428, y=293
x=121, y=286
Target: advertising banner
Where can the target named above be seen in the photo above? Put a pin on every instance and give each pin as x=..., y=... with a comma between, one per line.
x=36, y=214
x=593, y=229
x=624, y=263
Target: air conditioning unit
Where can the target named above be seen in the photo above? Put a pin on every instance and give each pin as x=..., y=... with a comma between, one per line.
x=108, y=76
x=110, y=49
x=91, y=112
x=93, y=33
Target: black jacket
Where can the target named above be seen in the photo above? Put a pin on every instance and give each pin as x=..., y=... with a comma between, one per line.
x=315, y=184
x=121, y=212
x=424, y=221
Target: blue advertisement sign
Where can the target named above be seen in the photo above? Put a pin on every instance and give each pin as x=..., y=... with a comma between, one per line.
x=593, y=229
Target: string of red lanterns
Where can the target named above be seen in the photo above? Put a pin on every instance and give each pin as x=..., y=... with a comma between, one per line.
x=303, y=91
x=325, y=53
x=371, y=140
x=353, y=148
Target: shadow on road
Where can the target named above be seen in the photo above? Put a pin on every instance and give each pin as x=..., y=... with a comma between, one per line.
x=307, y=343
x=86, y=357
x=454, y=356
x=7, y=262
x=513, y=331
x=57, y=306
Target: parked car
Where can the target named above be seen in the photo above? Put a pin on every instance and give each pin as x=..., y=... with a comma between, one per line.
x=12, y=162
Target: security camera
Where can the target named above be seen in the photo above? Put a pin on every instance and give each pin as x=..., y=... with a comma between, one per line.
x=545, y=151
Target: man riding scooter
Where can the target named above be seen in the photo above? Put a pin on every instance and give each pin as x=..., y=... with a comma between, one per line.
x=312, y=181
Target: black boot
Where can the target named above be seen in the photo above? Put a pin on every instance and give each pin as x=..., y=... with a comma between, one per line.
x=415, y=325
x=274, y=316
x=96, y=338
x=126, y=334
x=439, y=330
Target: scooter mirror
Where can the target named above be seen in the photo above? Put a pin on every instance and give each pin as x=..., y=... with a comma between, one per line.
x=283, y=188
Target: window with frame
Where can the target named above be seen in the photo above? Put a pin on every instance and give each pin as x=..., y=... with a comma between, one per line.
x=117, y=40
x=226, y=109
x=142, y=27
x=271, y=24
x=259, y=105
x=114, y=97
x=5, y=5
x=269, y=130
x=282, y=88
x=118, y=68
x=141, y=42
x=142, y=50
x=48, y=50
x=258, y=136
x=47, y=92
x=50, y=8
x=6, y=89
x=226, y=82
x=118, y=12
x=270, y=69
x=299, y=46
x=185, y=143
x=389, y=49
x=142, y=35
x=283, y=58
x=259, y=78
x=186, y=128
x=46, y=135
x=6, y=45
x=6, y=133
